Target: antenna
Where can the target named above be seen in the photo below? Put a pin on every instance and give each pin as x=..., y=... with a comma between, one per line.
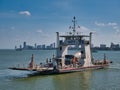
x=74, y=25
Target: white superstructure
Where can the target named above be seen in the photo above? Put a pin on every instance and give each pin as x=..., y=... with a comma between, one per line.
x=73, y=38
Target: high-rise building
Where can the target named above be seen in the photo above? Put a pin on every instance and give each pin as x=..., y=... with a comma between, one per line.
x=43, y=46
x=53, y=45
x=35, y=46
x=39, y=46
x=24, y=45
x=20, y=46
x=114, y=46
x=102, y=45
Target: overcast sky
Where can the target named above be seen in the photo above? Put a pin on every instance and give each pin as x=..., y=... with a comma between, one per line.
x=36, y=21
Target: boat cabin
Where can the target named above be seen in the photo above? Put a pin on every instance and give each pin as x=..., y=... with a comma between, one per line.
x=83, y=57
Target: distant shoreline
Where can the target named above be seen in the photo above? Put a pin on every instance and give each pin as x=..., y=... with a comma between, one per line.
x=94, y=49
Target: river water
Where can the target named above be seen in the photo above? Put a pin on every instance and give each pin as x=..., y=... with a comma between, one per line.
x=103, y=79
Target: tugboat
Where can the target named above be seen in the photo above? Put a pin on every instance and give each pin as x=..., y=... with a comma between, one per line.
x=65, y=63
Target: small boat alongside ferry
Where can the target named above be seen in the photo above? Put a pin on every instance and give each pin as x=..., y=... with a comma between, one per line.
x=62, y=62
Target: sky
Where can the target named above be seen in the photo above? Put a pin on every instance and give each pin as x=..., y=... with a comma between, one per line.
x=37, y=21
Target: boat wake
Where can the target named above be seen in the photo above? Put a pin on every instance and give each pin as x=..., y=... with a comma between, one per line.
x=115, y=66
x=10, y=74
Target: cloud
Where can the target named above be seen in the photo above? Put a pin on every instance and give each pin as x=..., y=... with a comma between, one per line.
x=115, y=27
x=99, y=24
x=26, y=13
x=112, y=24
x=39, y=31
x=117, y=32
x=106, y=24
x=43, y=34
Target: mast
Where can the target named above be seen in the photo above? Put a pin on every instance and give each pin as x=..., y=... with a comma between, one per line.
x=74, y=25
x=58, y=45
x=90, y=46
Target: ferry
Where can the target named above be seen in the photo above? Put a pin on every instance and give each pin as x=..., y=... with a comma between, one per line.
x=62, y=62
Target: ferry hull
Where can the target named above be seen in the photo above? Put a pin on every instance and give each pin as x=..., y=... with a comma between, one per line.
x=61, y=71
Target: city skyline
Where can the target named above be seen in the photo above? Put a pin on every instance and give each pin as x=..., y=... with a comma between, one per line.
x=27, y=46
x=38, y=21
